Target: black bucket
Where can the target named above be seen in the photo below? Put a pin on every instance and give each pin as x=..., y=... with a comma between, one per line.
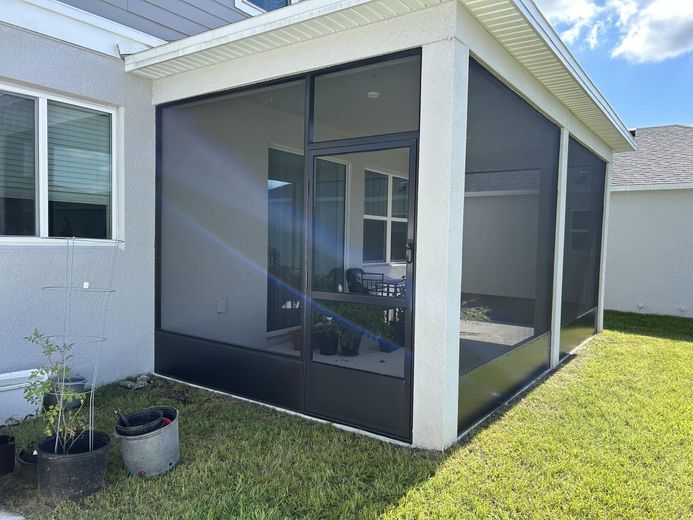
x=77, y=384
x=77, y=474
x=27, y=466
x=6, y=454
x=141, y=422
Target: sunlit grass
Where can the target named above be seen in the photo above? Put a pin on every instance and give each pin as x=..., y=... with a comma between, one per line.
x=609, y=435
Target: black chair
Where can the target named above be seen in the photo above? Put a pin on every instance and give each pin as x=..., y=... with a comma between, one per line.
x=361, y=282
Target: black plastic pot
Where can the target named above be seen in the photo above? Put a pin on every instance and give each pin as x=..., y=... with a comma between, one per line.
x=6, y=454
x=76, y=384
x=76, y=474
x=141, y=422
x=351, y=348
x=328, y=344
x=386, y=346
x=27, y=466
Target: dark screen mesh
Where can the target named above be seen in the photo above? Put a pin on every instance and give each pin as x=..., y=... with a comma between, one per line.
x=508, y=250
x=583, y=231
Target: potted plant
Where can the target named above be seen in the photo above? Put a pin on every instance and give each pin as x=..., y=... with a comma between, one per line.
x=351, y=321
x=71, y=456
x=325, y=334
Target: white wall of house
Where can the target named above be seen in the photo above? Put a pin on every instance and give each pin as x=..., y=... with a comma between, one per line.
x=650, y=252
x=49, y=66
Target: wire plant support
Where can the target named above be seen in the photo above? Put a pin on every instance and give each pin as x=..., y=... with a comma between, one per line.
x=86, y=287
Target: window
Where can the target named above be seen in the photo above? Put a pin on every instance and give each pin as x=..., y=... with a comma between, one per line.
x=56, y=168
x=384, y=217
x=254, y=7
x=17, y=165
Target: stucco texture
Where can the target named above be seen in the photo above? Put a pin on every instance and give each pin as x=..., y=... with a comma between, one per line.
x=649, y=252
x=32, y=61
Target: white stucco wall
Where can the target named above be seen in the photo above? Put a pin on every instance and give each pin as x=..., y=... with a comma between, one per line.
x=650, y=252
x=32, y=61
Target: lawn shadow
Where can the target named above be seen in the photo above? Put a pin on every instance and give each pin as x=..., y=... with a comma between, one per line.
x=651, y=325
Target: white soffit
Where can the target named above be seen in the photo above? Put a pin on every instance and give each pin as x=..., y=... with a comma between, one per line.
x=516, y=24
x=524, y=32
x=302, y=21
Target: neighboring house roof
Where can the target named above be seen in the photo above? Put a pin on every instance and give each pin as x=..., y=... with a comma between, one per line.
x=664, y=157
x=166, y=19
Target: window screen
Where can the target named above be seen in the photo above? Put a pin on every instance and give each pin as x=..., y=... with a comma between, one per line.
x=583, y=231
x=375, y=99
x=508, y=249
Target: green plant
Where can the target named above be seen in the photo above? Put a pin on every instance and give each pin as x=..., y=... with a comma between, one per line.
x=350, y=321
x=479, y=313
x=61, y=420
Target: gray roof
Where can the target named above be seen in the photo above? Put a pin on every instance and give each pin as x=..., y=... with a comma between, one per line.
x=664, y=156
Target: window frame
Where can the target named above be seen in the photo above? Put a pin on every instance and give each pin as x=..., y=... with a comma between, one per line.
x=41, y=99
x=250, y=8
x=388, y=218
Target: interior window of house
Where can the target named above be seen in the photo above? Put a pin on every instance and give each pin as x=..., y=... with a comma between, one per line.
x=78, y=170
x=384, y=217
x=17, y=165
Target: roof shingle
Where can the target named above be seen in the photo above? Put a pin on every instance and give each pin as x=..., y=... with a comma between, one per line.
x=664, y=156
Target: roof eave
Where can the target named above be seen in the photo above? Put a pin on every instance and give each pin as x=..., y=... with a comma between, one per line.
x=541, y=25
x=175, y=57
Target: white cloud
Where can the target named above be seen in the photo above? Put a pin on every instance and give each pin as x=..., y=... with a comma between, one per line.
x=576, y=15
x=645, y=30
x=594, y=34
x=662, y=30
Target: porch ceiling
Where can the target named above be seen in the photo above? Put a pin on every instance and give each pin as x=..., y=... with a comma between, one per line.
x=516, y=24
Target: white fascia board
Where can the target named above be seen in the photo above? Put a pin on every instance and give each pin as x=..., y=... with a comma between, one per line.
x=561, y=51
x=255, y=25
x=654, y=187
x=72, y=25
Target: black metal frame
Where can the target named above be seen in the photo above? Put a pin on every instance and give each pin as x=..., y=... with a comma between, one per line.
x=164, y=359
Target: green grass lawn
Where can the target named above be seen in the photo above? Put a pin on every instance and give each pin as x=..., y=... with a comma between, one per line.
x=607, y=436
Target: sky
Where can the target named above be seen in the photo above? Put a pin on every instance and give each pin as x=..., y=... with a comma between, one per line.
x=639, y=54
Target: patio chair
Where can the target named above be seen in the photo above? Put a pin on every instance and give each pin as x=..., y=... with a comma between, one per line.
x=361, y=282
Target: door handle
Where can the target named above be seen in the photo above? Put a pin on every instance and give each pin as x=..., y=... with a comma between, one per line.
x=409, y=251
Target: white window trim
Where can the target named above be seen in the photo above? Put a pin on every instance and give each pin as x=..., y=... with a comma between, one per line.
x=253, y=10
x=388, y=219
x=41, y=99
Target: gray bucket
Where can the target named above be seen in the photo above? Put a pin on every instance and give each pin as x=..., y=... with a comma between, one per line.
x=152, y=453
